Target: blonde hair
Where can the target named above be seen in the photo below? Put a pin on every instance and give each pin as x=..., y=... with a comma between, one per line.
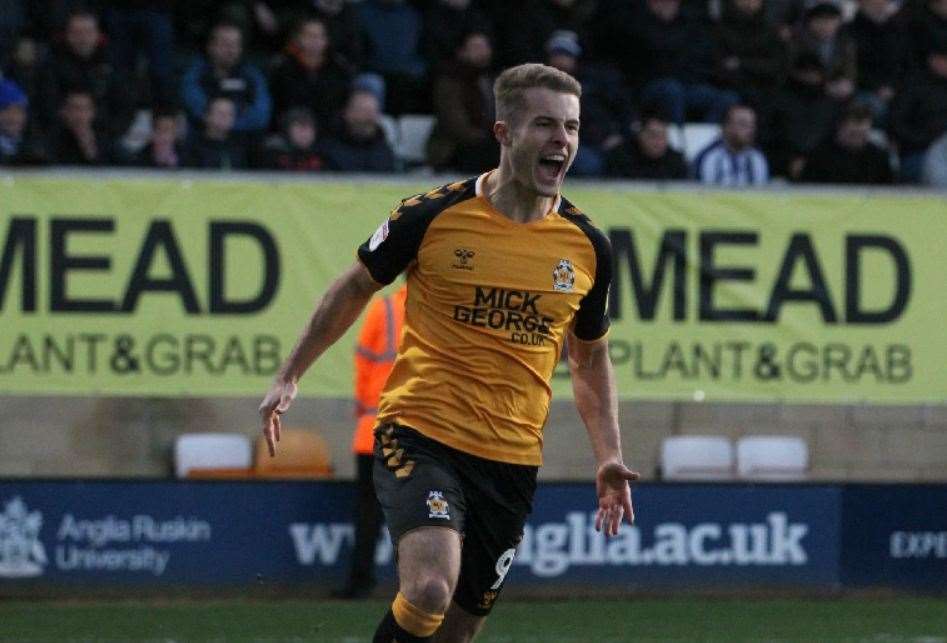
x=511, y=85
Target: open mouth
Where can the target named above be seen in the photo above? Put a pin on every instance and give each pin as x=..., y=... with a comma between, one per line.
x=551, y=166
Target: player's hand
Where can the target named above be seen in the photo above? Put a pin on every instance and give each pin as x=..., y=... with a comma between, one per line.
x=614, y=496
x=276, y=402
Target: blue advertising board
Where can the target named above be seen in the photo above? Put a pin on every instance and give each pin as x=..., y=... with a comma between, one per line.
x=171, y=533
x=895, y=536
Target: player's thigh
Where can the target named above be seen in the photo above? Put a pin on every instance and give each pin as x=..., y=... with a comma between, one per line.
x=429, y=555
x=459, y=626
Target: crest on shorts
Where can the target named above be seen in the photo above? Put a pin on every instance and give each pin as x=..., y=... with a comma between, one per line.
x=437, y=505
x=563, y=276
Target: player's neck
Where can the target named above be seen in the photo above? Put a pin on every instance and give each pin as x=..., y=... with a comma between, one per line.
x=514, y=201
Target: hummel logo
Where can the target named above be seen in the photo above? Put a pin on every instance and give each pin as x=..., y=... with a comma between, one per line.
x=464, y=257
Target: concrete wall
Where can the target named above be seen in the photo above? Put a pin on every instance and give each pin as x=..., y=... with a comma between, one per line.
x=132, y=437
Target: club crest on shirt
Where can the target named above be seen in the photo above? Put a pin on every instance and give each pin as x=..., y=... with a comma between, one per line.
x=380, y=235
x=464, y=258
x=437, y=505
x=563, y=276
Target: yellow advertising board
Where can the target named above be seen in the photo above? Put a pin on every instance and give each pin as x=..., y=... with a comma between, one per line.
x=170, y=287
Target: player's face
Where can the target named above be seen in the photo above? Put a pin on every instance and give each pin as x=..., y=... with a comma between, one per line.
x=544, y=138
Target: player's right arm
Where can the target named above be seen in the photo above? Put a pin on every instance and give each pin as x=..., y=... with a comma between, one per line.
x=390, y=251
x=339, y=308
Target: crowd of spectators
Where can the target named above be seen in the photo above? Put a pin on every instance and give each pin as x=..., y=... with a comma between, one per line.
x=842, y=91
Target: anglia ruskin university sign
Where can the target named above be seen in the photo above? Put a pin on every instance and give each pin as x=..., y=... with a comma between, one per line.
x=101, y=534
x=170, y=287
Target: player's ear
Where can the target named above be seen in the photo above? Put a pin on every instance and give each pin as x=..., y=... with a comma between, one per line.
x=501, y=130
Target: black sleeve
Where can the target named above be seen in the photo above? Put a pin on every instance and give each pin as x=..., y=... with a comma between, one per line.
x=591, y=321
x=395, y=243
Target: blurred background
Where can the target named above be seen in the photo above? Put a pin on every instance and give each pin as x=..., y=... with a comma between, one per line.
x=179, y=182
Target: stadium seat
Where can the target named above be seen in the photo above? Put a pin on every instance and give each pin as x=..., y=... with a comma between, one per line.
x=697, y=136
x=212, y=455
x=675, y=137
x=390, y=127
x=300, y=453
x=413, y=132
x=697, y=457
x=772, y=457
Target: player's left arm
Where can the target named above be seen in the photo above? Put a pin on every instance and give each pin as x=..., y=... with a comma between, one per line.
x=593, y=385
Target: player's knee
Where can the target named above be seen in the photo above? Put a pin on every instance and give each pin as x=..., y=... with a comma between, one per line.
x=430, y=592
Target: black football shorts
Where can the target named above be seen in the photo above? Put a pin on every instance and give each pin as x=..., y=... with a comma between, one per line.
x=421, y=482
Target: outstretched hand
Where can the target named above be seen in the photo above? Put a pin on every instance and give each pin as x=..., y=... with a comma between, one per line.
x=276, y=402
x=614, y=496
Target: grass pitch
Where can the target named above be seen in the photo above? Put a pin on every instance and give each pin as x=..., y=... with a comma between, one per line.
x=579, y=621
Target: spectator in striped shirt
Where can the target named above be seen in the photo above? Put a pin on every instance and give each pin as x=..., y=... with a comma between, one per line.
x=733, y=160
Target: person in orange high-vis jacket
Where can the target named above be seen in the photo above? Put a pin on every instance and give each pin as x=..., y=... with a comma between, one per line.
x=374, y=358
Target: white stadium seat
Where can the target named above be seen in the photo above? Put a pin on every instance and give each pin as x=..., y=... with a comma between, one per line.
x=413, y=132
x=194, y=452
x=390, y=127
x=697, y=457
x=675, y=137
x=772, y=457
x=697, y=136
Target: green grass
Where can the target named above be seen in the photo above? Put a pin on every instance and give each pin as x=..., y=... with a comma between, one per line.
x=679, y=619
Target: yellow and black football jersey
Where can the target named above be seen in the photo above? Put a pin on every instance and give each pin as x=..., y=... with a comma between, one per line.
x=489, y=303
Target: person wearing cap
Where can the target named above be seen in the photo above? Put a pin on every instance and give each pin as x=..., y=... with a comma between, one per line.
x=16, y=146
x=604, y=103
x=800, y=117
x=820, y=35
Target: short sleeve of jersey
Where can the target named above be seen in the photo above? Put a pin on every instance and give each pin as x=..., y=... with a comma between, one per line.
x=591, y=321
x=393, y=247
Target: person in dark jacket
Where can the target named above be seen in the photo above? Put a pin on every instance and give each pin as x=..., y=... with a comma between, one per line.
x=749, y=56
x=462, y=139
x=217, y=146
x=360, y=145
x=648, y=154
x=310, y=75
x=820, y=35
x=850, y=157
x=800, y=117
x=296, y=148
x=675, y=64
x=919, y=114
x=224, y=73
x=164, y=149
x=83, y=61
x=880, y=48
x=77, y=141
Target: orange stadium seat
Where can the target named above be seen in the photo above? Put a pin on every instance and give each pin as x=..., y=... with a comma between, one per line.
x=300, y=453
